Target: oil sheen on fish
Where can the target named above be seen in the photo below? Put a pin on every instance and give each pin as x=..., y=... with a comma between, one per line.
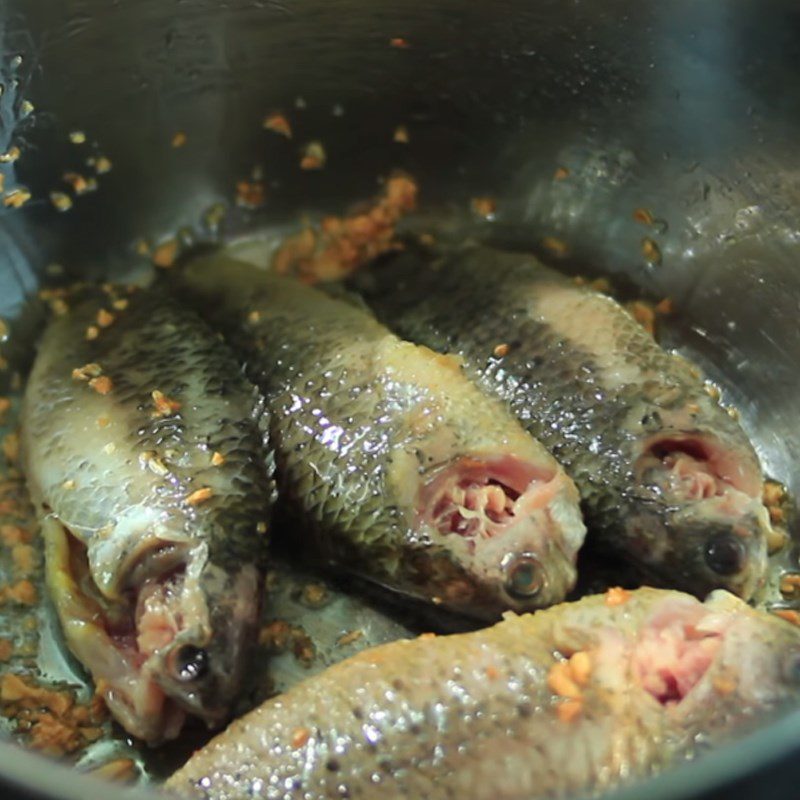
x=401, y=469
x=578, y=697
x=667, y=478
x=143, y=448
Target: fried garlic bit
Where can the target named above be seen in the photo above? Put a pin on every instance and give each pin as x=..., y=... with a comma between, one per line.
x=104, y=318
x=164, y=406
x=399, y=43
x=277, y=123
x=401, y=135
x=561, y=174
x=165, y=254
x=250, y=194
x=102, y=385
x=179, y=139
x=651, y=251
x=567, y=680
x=16, y=198
x=485, y=207
x=86, y=372
x=340, y=245
x=313, y=156
x=617, y=596
x=80, y=185
x=5, y=406
x=61, y=201
x=555, y=246
x=217, y=459
x=199, y=496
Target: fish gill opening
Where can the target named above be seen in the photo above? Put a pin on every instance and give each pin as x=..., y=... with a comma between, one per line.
x=691, y=467
x=480, y=498
x=675, y=651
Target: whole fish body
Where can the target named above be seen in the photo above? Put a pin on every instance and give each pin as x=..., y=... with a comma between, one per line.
x=667, y=477
x=576, y=698
x=143, y=448
x=402, y=471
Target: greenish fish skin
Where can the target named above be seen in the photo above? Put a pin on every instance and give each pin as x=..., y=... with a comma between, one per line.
x=400, y=470
x=571, y=700
x=153, y=543
x=667, y=478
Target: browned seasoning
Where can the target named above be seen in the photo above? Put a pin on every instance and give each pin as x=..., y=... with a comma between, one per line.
x=399, y=43
x=102, y=384
x=485, y=206
x=164, y=406
x=80, y=185
x=199, y=496
x=279, y=636
x=340, y=245
x=277, y=123
x=16, y=198
x=643, y=216
x=165, y=254
x=313, y=156
x=11, y=447
x=51, y=720
x=617, y=596
x=120, y=770
x=6, y=650
x=561, y=174
x=555, y=246
x=61, y=201
x=105, y=318
x=250, y=194
x=300, y=737
x=501, y=350
x=179, y=139
x=651, y=251
x=400, y=135
x=349, y=637
x=644, y=314
x=5, y=406
x=788, y=614
x=23, y=592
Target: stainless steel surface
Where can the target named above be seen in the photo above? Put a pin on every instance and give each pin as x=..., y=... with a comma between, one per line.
x=691, y=110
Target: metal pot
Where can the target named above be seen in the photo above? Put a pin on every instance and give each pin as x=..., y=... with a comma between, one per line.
x=573, y=115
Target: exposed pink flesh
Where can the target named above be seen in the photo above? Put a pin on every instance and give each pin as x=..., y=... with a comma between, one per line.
x=157, y=618
x=478, y=498
x=698, y=468
x=674, y=652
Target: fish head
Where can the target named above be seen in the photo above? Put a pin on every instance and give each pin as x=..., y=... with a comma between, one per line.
x=711, y=662
x=512, y=527
x=198, y=628
x=698, y=514
x=166, y=640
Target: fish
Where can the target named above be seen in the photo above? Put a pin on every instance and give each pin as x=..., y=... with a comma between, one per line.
x=394, y=466
x=668, y=479
x=144, y=449
x=577, y=698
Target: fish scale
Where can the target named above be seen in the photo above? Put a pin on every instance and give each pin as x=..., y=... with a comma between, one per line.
x=487, y=714
x=116, y=481
x=363, y=423
x=595, y=388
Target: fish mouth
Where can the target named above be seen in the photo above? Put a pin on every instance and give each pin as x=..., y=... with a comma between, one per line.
x=138, y=648
x=504, y=516
x=712, y=509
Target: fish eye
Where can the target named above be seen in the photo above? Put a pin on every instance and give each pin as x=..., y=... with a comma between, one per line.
x=190, y=663
x=523, y=576
x=725, y=554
